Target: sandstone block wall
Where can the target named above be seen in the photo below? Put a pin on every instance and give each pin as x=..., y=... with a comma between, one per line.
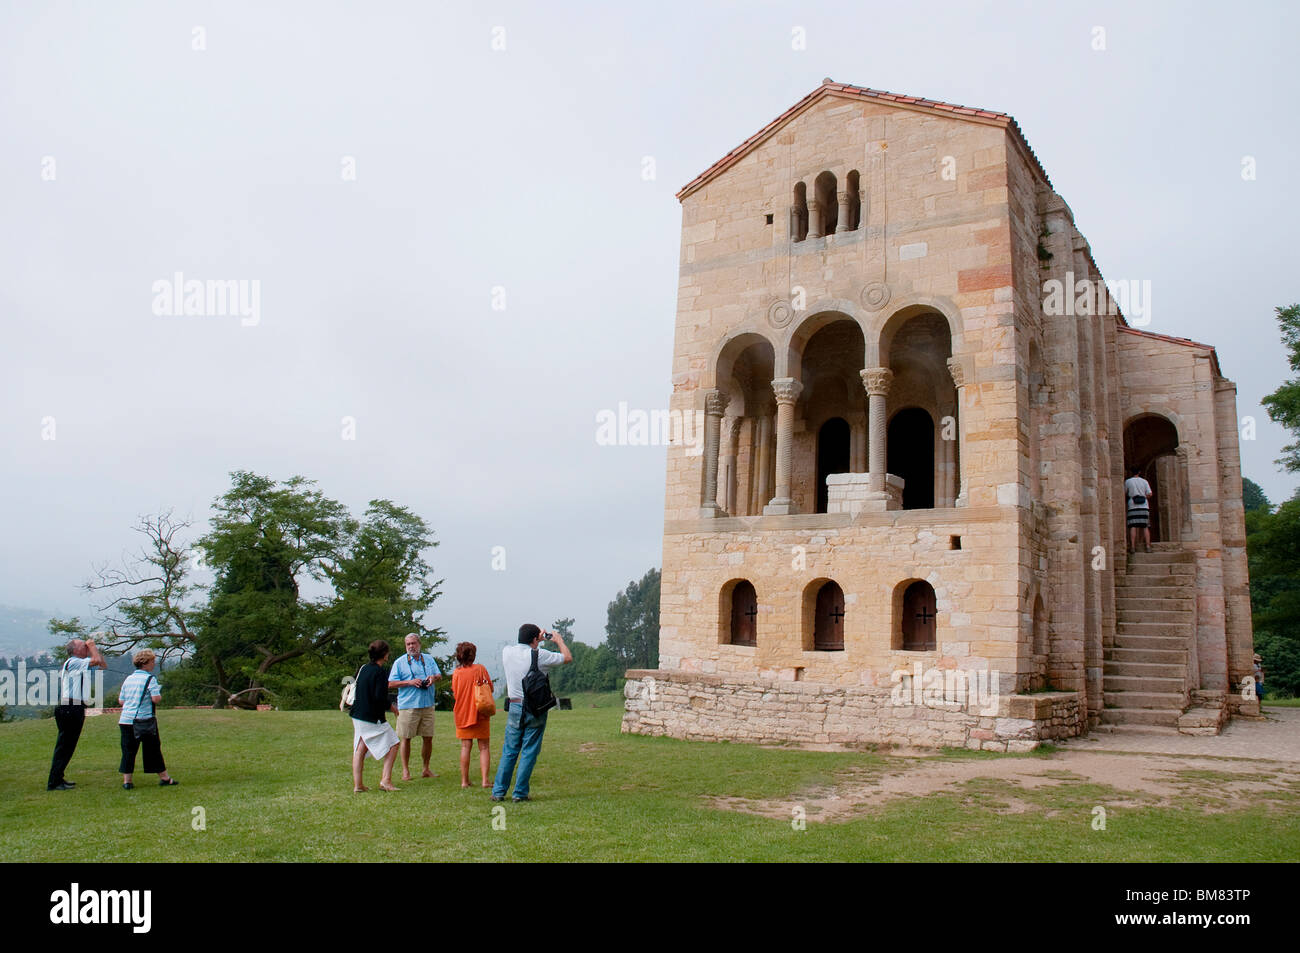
x=708, y=707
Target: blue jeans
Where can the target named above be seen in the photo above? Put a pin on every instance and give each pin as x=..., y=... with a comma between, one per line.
x=522, y=745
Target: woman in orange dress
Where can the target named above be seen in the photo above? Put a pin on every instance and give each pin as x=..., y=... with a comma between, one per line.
x=470, y=725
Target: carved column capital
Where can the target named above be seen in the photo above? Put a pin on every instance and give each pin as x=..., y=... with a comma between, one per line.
x=877, y=380
x=787, y=390
x=957, y=370
x=731, y=428
x=715, y=402
x=1183, y=452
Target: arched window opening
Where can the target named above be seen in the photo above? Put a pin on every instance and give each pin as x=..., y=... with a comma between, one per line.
x=827, y=212
x=919, y=617
x=922, y=401
x=799, y=213
x=742, y=614
x=828, y=625
x=855, y=201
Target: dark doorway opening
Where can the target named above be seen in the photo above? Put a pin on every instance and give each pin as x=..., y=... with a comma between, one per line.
x=910, y=455
x=832, y=456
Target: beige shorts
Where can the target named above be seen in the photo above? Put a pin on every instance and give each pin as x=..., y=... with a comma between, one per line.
x=415, y=723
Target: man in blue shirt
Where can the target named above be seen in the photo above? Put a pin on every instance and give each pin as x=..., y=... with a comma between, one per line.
x=70, y=715
x=414, y=676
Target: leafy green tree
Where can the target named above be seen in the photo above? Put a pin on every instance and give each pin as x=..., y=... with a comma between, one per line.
x=632, y=629
x=1252, y=497
x=301, y=588
x=1283, y=404
x=1273, y=537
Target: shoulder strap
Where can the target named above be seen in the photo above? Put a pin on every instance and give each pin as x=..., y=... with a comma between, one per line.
x=534, y=666
x=144, y=693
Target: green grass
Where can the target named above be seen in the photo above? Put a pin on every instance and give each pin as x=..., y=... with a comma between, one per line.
x=1281, y=703
x=275, y=786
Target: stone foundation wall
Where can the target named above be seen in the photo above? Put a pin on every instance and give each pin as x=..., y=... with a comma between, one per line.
x=714, y=708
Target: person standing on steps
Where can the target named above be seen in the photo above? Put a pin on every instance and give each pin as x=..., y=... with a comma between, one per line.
x=1137, y=503
x=524, y=729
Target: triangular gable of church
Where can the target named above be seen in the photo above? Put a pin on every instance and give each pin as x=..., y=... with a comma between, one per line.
x=863, y=94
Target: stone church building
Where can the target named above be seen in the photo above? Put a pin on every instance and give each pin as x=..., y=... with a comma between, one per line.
x=907, y=523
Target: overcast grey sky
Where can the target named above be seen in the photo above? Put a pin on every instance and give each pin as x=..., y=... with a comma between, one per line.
x=521, y=169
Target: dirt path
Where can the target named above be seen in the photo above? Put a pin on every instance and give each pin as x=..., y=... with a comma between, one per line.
x=1213, y=774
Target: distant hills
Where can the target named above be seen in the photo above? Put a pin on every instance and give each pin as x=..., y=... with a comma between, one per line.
x=25, y=631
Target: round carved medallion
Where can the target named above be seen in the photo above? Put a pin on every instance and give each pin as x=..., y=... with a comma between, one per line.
x=780, y=313
x=875, y=295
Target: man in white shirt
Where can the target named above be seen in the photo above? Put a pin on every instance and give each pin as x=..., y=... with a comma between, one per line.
x=1137, y=504
x=70, y=713
x=524, y=730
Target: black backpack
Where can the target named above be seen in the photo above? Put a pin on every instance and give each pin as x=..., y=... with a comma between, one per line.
x=538, y=697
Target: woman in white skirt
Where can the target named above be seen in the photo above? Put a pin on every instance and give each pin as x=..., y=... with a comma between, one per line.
x=370, y=729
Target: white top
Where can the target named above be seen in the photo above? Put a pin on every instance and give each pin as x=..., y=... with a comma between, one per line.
x=1136, y=486
x=132, y=694
x=518, y=659
x=75, y=687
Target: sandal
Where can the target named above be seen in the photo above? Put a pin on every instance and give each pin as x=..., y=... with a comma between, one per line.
x=169, y=782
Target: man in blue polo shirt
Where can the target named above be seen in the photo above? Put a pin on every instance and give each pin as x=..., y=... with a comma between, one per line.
x=414, y=676
x=74, y=695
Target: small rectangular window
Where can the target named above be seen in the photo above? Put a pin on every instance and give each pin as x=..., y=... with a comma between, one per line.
x=954, y=542
x=769, y=219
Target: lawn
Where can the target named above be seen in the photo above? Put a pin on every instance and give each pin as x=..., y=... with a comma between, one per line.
x=275, y=786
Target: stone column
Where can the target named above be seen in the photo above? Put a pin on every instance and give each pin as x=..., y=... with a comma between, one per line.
x=715, y=403
x=876, y=380
x=764, y=460
x=787, y=391
x=1184, y=528
x=857, y=443
x=843, y=224
x=948, y=469
x=814, y=219
x=958, y=373
x=727, y=464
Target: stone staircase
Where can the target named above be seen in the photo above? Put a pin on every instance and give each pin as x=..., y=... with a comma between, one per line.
x=1145, y=676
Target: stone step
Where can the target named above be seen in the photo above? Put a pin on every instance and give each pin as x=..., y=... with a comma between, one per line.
x=1136, y=730
x=1126, y=668
x=1168, y=616
x=1169, y=547
x=1171, y=700
x=1152, y=581
x=1134, y=606
x=1147, y=684
x=1146, y=656
x=1172, y=630
x=1182, y=571
x=1167, y=717
x=1163, y=556
x=1164, y=643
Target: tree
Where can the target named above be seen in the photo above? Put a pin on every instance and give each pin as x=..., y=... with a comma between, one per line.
x=1252, y=497
x=301, y=588
x=632, y=630
x=270, y=540
x=593, y=669
x=146, y=603
x=1283, y=404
